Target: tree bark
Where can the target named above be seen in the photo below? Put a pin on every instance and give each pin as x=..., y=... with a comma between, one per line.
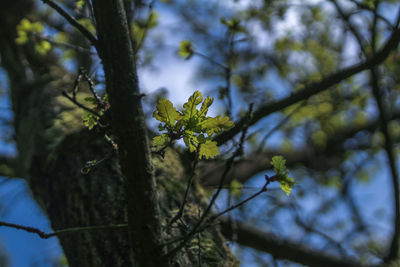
x=127, y=120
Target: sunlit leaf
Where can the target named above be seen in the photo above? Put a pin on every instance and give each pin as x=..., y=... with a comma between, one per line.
x=166, y=112
x=209, y=150
x=217, y=124
x=279, y=164
x=153, y=20
x=89, y=120
x=186, y=49
x=204, y=107
x=24, y=28
x=191, y=124
x=287, y=185
x=190, y=106
x=190, y=140
x=160, y=141
x=236, y=188
x=42, y=47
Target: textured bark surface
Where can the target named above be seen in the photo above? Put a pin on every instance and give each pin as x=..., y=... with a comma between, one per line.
x=53, y=148
x=128, y=127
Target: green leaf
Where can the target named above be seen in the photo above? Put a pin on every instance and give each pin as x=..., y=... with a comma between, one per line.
x=204, y=107
x=79, y=4
x=22, y=38
x=287, y=185
x=191, y=124
x=236, y=188
x=279, y=164
x=42, y=47
x=153, y=20
x=190, y=110
x=160, y=141
x=166, y=112
x=216, y=125
x=232, y=24
x=24, y=28
x=91, y=100
x=209, y=150
x=186, y=49
x=190, y=140
x=89, y=120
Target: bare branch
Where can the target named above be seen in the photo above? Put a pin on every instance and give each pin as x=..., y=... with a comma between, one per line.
x=72, y=21
x=388, y=145
x=280, y=248
x=259, y=161
x=45, y=235
x=314, y=88
x=79, y=104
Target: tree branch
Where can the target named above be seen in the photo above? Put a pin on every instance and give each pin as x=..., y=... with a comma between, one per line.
x=313, y=88
x=45, y=235
x=249, y=236
x=92, y=39
x=388, y=145
x=259, y=161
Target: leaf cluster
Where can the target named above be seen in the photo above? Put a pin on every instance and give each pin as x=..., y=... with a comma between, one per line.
x=232, y=24
x=27, y=29
x=186, y=49
x=90, y=119
x=191, y=124
x=282, y=174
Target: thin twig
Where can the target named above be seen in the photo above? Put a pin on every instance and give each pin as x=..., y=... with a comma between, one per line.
x=212, y=219
x=262, y=190
x=79, y=104
x=279, y=125
x=89, y=81
x=67, y=45
x=210, y=60
x=366, y=7
x=228, y=73
x=146, y=26
x=45, y=235
x=388, y=145
x=228, y=166
x=189, y=185
x=314, y=88
x=72, y=21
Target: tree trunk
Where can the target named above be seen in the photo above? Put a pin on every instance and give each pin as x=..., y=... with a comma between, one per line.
x=52, y=152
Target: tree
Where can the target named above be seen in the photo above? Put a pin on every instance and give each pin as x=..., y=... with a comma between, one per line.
x=100, y=184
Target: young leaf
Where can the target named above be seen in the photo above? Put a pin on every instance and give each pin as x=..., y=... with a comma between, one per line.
x=190, y=140
x=160, y=141
x=287, y=185
x=278, y=162
x=209, y=149
x=236, y=188
x=89, y=120
x=204, y=107
x=166, y=112
x=186, y=49
x=190, y=106
x=216, y=125
x=42, y=47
